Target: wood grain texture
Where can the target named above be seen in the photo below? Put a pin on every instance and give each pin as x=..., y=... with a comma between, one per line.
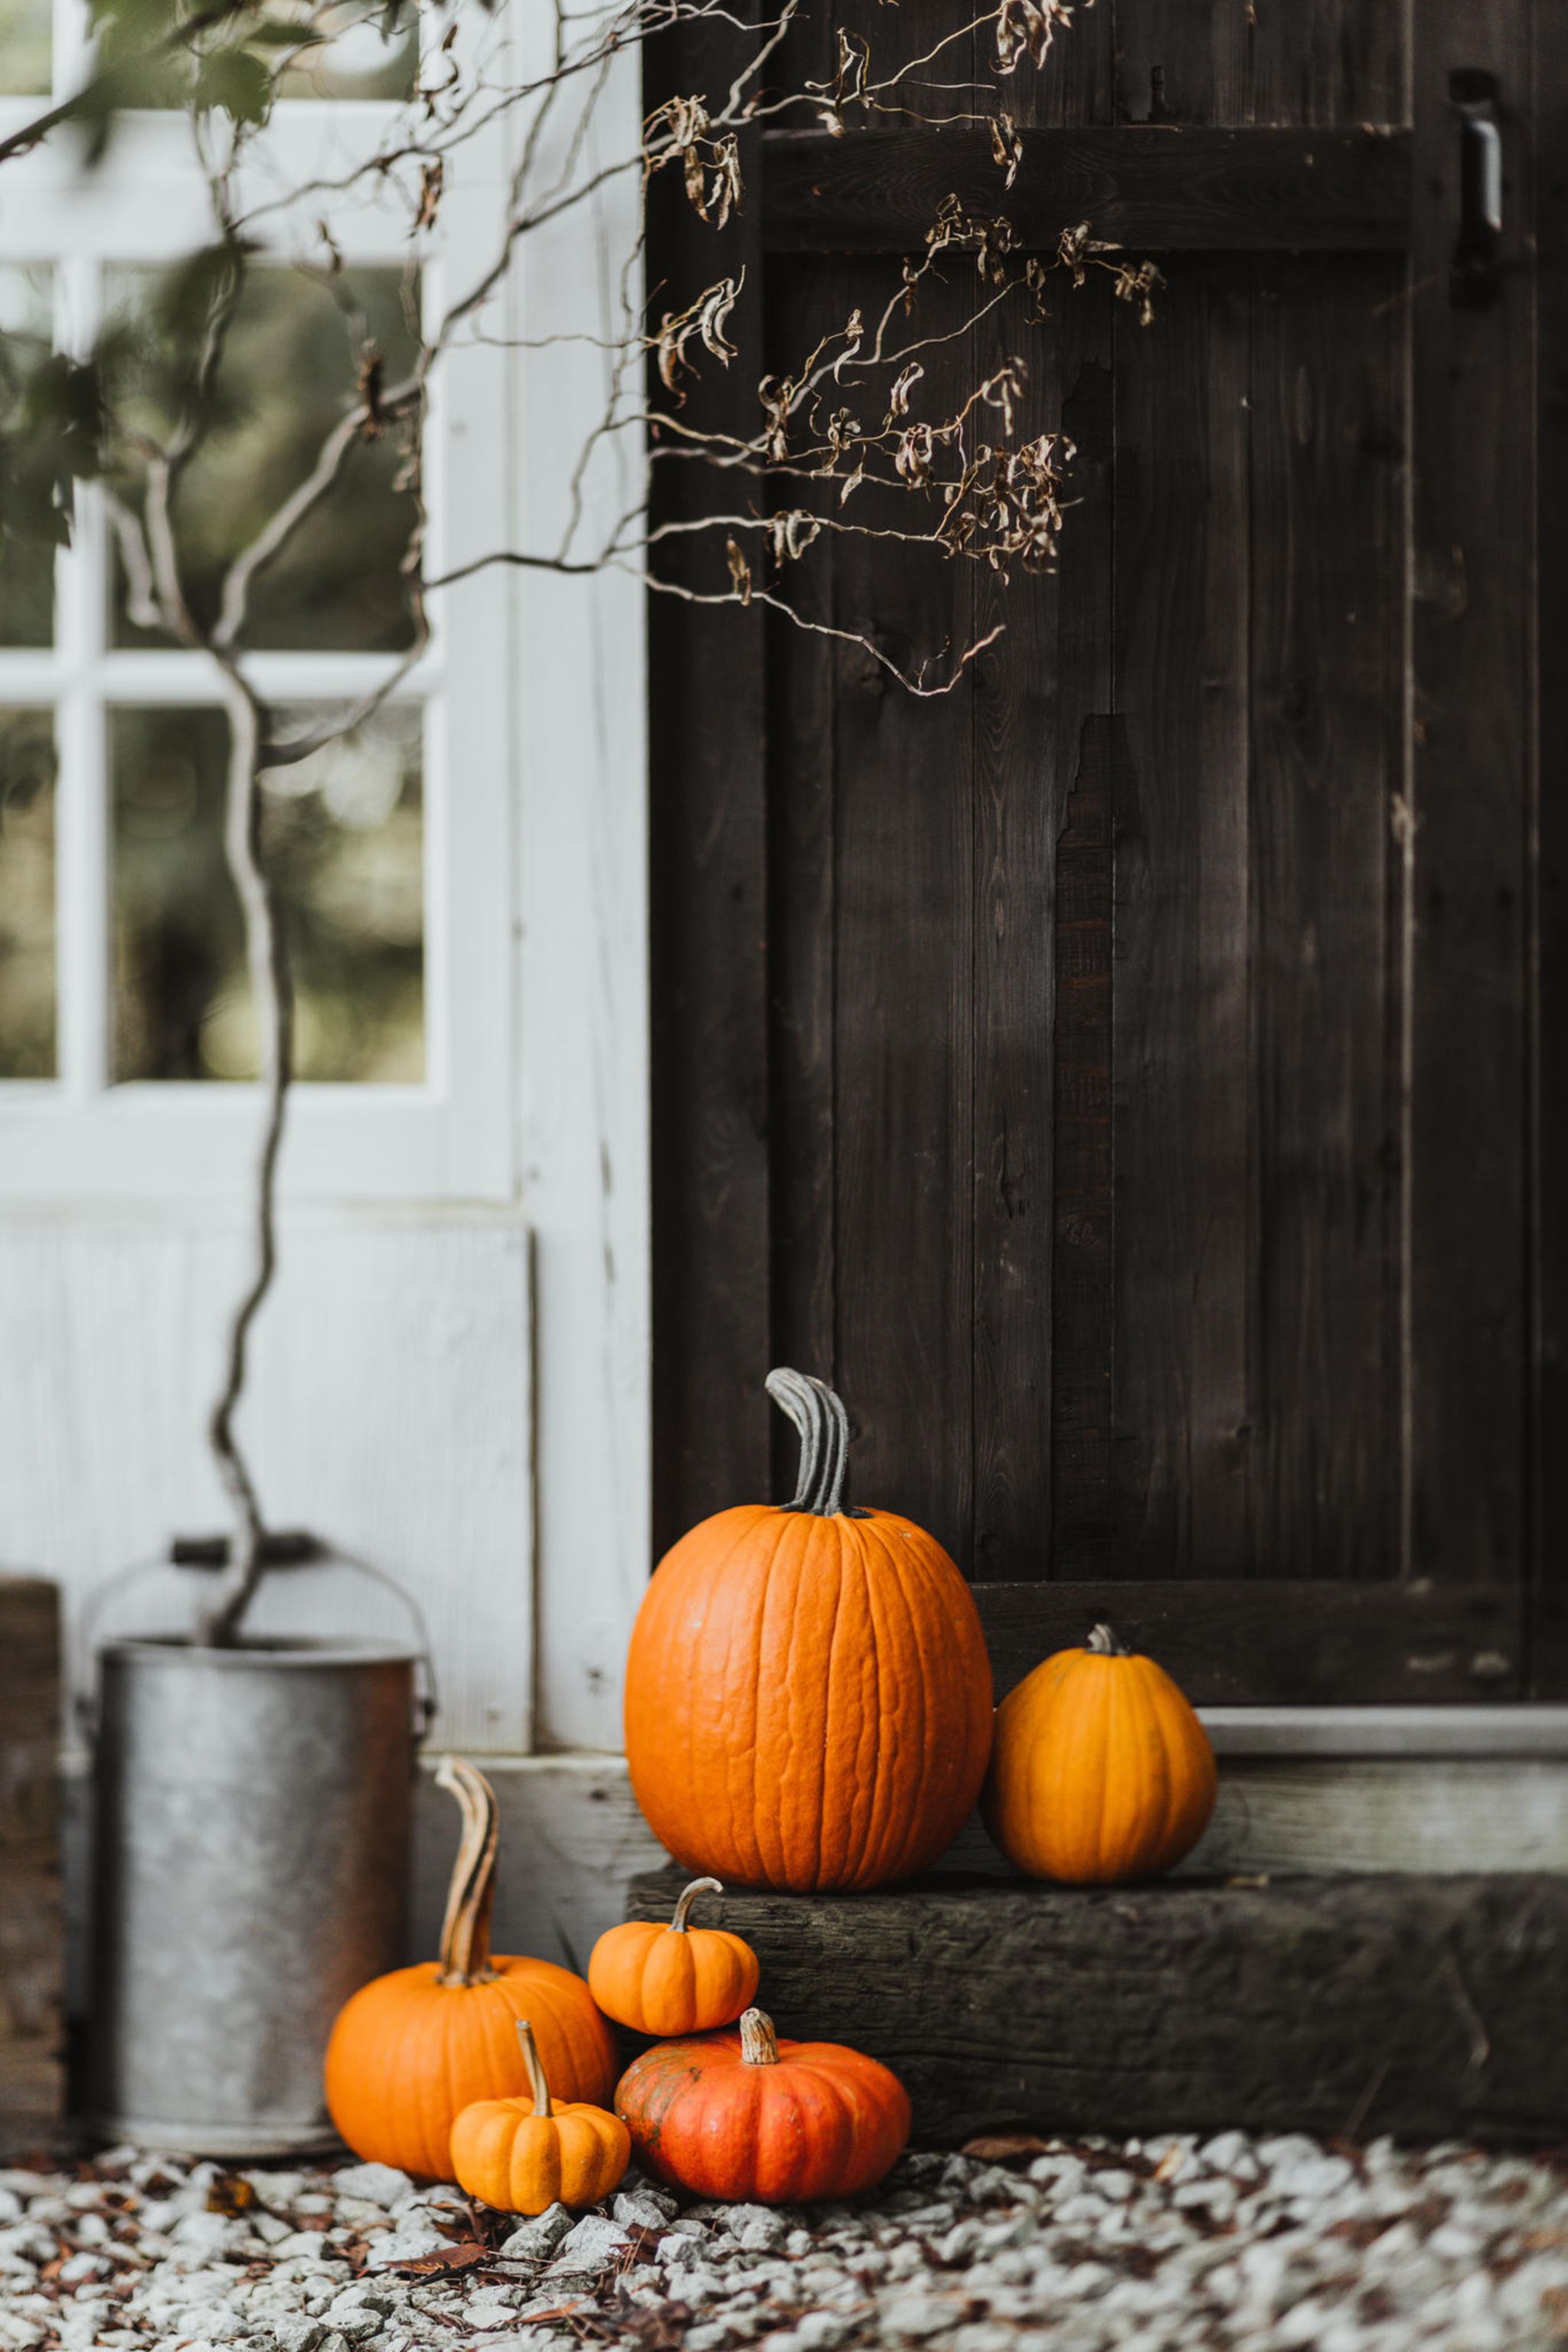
x=1549, y=1565
x=1204, y=62
x=1185, y=1247
x=1470, y=811
x=389, y=1414
x=1316, y=978
x=1326, y=728
x=1039, y=964
x=1150, y=189
x=1256, y=1643
x=32, y=1946
x=1420, y=2006
x=707, y=880
x=903, y=988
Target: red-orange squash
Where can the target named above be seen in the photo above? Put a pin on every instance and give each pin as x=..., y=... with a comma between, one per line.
x=808, y=1698
x=524, y=2155
x=674, y=1980
x=745, y=2117
x=1100, y=1771
x=411, y=2049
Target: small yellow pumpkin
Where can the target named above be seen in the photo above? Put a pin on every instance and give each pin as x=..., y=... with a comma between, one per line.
x=674, y=1980
x=524, y=2155
x=1100, y=1770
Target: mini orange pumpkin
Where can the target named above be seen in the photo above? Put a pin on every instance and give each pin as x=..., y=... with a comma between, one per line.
x=411, y=2049
x=674, y=1980
x=746, y=2117
x=1100, y=1771
x=523, y=2154
x=808, y=1697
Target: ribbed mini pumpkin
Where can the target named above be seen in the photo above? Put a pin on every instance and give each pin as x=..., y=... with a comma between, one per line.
x=746, y=2117
x=411, y=2049
x=674, y=1980
x=808, y=1698
x=524, y=2155
x=1100, y=1771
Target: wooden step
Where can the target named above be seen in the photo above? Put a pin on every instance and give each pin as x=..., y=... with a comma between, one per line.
x=1421, y=2006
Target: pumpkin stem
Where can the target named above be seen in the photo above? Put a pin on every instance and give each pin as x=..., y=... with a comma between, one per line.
x=465, y=1957
x=535, y=2065
x=1104, y=1644
x=759, y=2042
x=687, y=1897
x=824, y=1425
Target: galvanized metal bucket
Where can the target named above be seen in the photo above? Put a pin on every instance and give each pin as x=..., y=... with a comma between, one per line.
x=253, y=1826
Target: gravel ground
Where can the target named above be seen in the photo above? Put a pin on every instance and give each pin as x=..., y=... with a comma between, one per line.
x=1233, y=2242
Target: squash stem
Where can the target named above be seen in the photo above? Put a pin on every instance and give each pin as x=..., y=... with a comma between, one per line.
x=464, y=1956
x=759, y=2042
x=1103, y=1643
x=688, y=1895
x=824, y=1425
x=535, y=2065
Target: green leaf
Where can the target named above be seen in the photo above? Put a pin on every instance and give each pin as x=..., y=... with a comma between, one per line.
x=236, y=81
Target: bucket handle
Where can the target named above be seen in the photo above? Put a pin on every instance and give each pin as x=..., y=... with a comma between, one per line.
x=287, y=1550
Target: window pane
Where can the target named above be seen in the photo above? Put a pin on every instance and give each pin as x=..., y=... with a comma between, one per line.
x=24, y=47
x=366, y=53
x=26, y=558
x=370, y=53
x=26, y=894
x=290, y=364
x=344, y=833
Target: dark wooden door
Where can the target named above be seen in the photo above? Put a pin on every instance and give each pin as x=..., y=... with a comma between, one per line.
x=1124, y=1077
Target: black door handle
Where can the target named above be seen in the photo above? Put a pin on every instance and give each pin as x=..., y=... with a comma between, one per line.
x=1478, y=246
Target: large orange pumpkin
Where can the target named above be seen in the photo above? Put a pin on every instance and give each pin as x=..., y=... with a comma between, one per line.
x=746, y=2117
x=808, y=1698
x=1100, y=1769
x=411, y=2049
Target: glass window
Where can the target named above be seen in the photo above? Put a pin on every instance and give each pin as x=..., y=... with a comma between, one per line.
x=367, y=54
x=291, y=362
x=344, y=833
x=26, y=895
x=27, y=559
x=26, y=47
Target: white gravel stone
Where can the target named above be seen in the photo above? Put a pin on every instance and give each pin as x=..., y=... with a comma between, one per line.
x=377, y=2184
x=593, y=2244
x=536, y=2239
x=1241, y=2245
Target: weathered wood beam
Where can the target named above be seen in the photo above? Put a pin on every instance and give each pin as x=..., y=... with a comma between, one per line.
x=1420, y=2006
x=1299, y=1642
x=1155, y=190
x=32, y=2079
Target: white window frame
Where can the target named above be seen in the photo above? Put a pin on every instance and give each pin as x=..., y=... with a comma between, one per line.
x=454, y=1135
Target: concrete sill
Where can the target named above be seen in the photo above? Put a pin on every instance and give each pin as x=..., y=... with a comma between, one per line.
x=1521, y=1728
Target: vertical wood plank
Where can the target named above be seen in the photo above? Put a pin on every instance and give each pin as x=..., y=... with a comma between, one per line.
x=1182, y=1112
x=1471, y=582
x=1325, y=733
x=708, y=878
x=904, y=953
x=1223, y=61
x=1082, y=1294
x=1549, y=1499
x=803, y=298
x=1035, y=695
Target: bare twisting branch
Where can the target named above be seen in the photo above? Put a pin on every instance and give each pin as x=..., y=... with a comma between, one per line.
x=885, y=429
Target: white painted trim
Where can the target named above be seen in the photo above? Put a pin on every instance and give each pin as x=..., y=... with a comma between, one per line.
x=1493, y=1732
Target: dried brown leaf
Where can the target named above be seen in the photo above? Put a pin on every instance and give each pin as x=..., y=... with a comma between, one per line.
x=466, y=2255
x=997, y=2147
